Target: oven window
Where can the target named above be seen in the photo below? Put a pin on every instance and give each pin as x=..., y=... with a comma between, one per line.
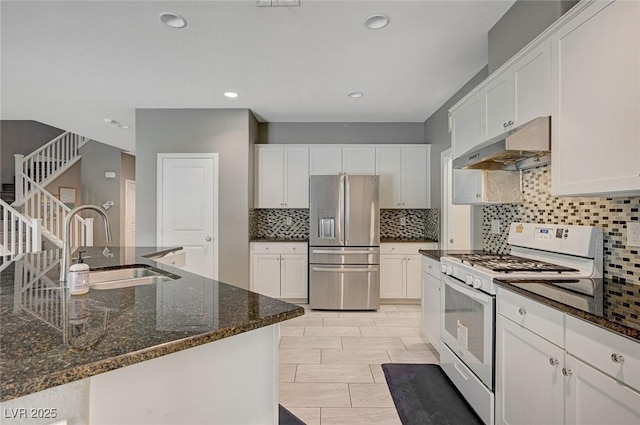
x=464, y=320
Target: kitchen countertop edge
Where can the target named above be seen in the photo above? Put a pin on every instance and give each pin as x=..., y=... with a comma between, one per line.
x=30, y=385
x=602, y=322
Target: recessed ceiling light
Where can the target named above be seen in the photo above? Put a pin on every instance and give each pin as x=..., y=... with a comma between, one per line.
x=124, y=126
x=173, y=20
x=356, y=94
x=376, y=21
x=231, y=94
x=110, y=121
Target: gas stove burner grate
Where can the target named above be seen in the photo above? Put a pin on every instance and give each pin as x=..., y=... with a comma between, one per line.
x=510, y=263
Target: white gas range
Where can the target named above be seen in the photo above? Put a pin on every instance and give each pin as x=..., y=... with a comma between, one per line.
x=467, y=327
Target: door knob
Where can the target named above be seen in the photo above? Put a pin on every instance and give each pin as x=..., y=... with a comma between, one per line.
x=208, y=239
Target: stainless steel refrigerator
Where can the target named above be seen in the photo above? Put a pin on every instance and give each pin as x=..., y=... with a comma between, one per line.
x=344, y=242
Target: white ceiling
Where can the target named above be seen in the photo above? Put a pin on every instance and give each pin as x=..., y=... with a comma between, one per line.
x=73, y=64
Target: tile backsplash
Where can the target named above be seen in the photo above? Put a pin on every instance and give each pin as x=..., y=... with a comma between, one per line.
x=540, y=206
x=272, y=223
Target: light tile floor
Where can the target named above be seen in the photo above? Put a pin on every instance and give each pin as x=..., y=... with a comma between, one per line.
x=330, y=361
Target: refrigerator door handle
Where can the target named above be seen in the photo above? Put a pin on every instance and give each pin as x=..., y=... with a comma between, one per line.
x=341, y=216
x=369, y=269
x=347, y=210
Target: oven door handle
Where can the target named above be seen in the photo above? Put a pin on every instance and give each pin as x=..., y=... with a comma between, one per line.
x=462, y=288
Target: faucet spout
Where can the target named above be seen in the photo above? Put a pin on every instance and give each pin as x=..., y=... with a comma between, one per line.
x=66, y=242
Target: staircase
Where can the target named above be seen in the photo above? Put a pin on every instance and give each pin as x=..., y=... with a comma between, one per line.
x=29, y=211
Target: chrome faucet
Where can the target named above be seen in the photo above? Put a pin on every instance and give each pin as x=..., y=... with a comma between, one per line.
x=66, y=243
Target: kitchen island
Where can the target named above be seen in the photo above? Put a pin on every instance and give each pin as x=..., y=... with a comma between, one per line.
x=182, y=349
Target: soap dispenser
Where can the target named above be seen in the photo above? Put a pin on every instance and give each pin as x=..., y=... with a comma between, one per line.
x=78, y=277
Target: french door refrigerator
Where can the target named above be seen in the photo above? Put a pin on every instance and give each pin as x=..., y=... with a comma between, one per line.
x=344, y=242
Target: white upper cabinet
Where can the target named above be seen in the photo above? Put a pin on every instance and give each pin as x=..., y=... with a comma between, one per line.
x=596, y=101
x=497, y=104
x=512, y=96
x=331, y=160
x=325, y=161
x=404, y=176
x=466, y=125
x=282, y=177
x=531, y=84
x=359, y=160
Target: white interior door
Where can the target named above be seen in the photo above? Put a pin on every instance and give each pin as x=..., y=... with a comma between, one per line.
x=130, y=213
x=188, y=210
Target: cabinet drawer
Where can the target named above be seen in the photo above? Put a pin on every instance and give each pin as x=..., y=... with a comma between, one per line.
x=598, y=347
x=431, y=267
x=406, y=247
x=540, y=319
x=279, y=248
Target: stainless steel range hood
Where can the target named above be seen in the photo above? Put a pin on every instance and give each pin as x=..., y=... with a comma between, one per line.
x=523, y=147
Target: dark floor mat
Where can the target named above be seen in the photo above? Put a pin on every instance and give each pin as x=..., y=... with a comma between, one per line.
x=424, y=395
x=287, y=418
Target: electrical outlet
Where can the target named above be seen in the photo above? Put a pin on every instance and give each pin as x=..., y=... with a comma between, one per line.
x=633, y=234
x=287, y=221
x=403, y=221
x=495, y=226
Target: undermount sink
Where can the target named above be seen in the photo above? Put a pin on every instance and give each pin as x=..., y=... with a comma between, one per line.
x=124, y=277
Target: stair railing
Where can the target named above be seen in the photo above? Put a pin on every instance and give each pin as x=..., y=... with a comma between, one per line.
x=40, y=204
x=43, y=163
x=20, y=234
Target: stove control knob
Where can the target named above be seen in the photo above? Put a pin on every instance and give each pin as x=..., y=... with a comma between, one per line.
x=477, y=283
x=443, y=268
x=449, y=270
x=469, y=280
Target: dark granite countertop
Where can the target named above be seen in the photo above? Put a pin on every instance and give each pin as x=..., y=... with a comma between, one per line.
x=48, y=338
x=614, y=305
x=402, y=240
x=278, y=240
x=437, y=253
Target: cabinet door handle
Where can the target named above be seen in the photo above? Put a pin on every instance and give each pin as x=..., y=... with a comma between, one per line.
x=567, y=372
x=617, y=358
x=522, y=311
x=477, y=195
x=553, y=362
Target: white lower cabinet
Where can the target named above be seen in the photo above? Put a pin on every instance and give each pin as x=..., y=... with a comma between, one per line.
x=529, y=380
x=401, y=270
x=593, y=398
x=279, y=270
x=430, y=301
x=591, y=379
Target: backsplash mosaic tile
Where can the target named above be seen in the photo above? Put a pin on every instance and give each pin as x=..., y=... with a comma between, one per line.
x=404, y=224
x=540, y=206
x=272, y=223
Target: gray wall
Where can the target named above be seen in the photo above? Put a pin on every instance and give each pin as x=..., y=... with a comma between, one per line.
x=21, y=137
x=222, y=131
x=436, y=132
x=334, y=132
x=70, y=178
x=523, y=22
x=97, y=158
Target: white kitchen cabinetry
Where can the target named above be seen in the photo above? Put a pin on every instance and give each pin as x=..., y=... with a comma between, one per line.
x=530, y=368
x=577, y=372
x=497, y=104
x=404, y=176
x=279, y=270
x=471, y=187
x=466, y=125
x=531, y=84
x=282, y=177
x=400, y=270
x=596, y=91
x=336, y=159
x=430, y=301
x=594, y=398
